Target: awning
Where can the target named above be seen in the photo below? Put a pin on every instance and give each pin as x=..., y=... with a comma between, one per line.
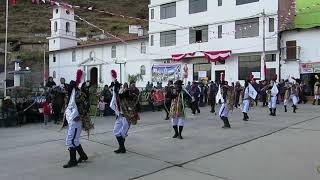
x=212, y=56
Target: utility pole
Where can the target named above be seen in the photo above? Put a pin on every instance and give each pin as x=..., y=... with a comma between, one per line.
x=44, y=65
x=6, y=51
x=263, y=58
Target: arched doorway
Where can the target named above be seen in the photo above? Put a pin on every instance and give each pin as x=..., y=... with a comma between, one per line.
x=94, y=76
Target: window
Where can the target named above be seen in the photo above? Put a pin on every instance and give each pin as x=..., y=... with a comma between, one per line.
x=291, y=49
x=168, y=11
x=142, y=70
x=239, y=2
x=74, y=56
x=271, y=24
x=200, y=69
x=247, y=28
x=220, y=31
x=67, y=27
x=198, y=34
x=196, y=6
x=113, y=52
x=219, y=2
x=54, y=58
x=57, y=11
x=271, y=57
x=54, y=74
x=55, y=26
x=248, y=64
x=143, y=48
x=67, y=12
x=152, y=13
x=152, y=40
x=91, y=56
x=167, y=38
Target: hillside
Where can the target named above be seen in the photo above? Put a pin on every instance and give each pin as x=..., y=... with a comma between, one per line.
x=30, y=23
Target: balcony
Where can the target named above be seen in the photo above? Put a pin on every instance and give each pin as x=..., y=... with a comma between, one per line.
x=291, y=53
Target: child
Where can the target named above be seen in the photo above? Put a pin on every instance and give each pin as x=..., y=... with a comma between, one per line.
x=46, y=111
x=102, y=106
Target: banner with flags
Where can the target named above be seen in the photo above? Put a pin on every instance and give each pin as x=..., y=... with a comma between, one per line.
x=212, y=56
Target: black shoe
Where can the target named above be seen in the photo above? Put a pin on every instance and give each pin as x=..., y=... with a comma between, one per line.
x=176, y=134
x=285, y=109
x=180, y=132
x=318, y=101
x=274, y=112
x=83, y=155
x=270, y=111
x=167, y=118
x=226, y=123
x=294, y=108
x=122, y=148
x=245, y=117
x=73, y=158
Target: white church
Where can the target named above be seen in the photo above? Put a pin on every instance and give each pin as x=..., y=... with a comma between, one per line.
x=96, y=59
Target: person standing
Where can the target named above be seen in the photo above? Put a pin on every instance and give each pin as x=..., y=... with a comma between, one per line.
x=59, y=100
x=195, y=94
x=135, y=91
x=227, y=104
x=123, y=102
x=286, y=97
x=50, y=83
x=316, y=90
x=213, y=89
x=168, y=98
x=246, y=101
x=177, y=110
x=76, y=115
x=237, y=90
x=273, y=96
x=294, y=96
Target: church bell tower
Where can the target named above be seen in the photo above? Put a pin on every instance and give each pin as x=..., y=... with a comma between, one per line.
x=63, y=29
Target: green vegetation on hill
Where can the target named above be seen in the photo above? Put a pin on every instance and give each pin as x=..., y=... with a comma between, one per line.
x=30, y=22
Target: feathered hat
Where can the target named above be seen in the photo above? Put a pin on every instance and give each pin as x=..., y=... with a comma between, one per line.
x=79, y=76
x=114, y=74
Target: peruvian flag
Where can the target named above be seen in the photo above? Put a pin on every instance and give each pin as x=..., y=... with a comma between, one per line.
x=215, y=56
x=13, y=2
x=179, y=57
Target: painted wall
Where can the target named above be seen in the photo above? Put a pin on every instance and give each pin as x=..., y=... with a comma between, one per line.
x=131, y=53
x=308, y=40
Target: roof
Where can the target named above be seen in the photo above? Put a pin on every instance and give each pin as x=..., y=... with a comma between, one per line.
x=104, y=42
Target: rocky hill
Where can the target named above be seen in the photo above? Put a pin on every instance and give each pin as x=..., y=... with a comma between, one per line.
x=30, y=23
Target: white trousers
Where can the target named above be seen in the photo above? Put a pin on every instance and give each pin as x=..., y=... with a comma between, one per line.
x=245, y=106
x=316, y=97
x=121, y=127
x=295, y=100
x=224, y=110
x=273, y=102
x=179, y=121
x=73, y=134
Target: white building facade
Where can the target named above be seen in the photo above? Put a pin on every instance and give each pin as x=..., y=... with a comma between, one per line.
x=300, y=55
x=96, y=59
x=187, y=26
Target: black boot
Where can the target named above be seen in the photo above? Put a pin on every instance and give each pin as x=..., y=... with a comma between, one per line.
x=73, y=158
x=318, y=101
x=245, y=117
x=82, y=154
x=122, y=148
x=270, y=109
x=226, y=123
x=274, y=112
x=180, y=132
x=314, y=102
x=285, y=109
x=176, y=134
x=294, y=108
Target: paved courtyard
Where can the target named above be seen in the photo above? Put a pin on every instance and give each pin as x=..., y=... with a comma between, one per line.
x=283, y=148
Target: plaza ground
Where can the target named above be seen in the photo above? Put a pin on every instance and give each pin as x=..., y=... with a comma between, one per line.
x=286, y=147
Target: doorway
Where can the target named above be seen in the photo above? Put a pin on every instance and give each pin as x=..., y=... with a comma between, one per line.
x=94, y=76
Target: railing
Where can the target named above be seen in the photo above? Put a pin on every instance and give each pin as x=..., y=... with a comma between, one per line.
x=290, y=53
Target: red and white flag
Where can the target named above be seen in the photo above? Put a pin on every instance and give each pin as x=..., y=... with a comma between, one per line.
x=215, y=56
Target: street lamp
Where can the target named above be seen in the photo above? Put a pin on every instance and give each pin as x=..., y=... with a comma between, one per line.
x=124, y=62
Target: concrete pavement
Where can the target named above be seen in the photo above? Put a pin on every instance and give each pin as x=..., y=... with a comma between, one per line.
x=285, y=147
